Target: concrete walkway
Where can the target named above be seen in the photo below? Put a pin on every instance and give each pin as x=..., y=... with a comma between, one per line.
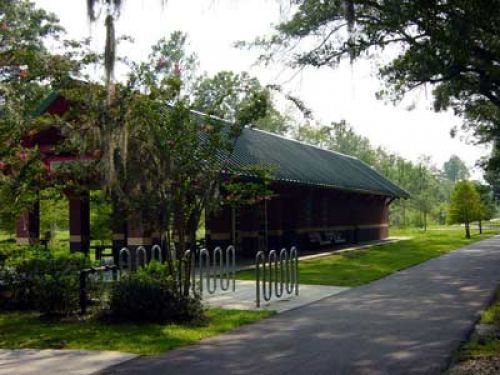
x=58, y=362
x=407, y=323
x=244, y=297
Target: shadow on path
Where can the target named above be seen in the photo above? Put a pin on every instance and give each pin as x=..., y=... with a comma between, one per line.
x=407, y=323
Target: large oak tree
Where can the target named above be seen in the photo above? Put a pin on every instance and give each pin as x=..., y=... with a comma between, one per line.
x=453, y=45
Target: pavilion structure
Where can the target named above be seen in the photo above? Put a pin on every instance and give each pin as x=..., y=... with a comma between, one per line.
x=320, y=198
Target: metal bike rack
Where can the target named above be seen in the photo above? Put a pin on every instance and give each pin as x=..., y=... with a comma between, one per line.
x=227, y=269
x=156, y=253
x=141, y=253
x=267, y=271
x=125, y=251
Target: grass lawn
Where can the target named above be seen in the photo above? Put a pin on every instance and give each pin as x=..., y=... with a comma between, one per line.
x=26, y=330
x=363, y=266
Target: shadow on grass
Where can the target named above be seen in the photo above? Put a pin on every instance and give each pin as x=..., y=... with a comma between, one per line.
x=26, y=330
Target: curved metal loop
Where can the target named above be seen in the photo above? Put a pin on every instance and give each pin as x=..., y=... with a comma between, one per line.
x=218, y=273
x=156, y=253
x=260, y=261
x=294, y=255
x=221, y=267
x=281, y=277
x=283, y=273
x=272, y=277
x=125, y=251
x=231, y=253
x=141, y=253
x=211, y=273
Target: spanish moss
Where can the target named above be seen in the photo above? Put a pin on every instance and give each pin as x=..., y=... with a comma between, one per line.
x=110, y=49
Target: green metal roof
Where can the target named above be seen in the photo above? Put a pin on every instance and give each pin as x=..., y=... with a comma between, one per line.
x=298, y=162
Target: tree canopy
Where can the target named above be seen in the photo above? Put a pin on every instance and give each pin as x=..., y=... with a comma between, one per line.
x=451, y=45
x=465, y=205
x=455, y=169
x=28, y=71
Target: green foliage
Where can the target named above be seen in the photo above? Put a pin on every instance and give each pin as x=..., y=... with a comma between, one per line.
x=156, y=155
x=455, y=169
x=54, y=212
x=57, y=294
x=100, y=216
x=465, y=205
x=8, y=222
x=275, y=122
x=248, y=186
x=28, y=273
x=27, y=73
x=152, y=295
x=488, y=208
x=451, y=45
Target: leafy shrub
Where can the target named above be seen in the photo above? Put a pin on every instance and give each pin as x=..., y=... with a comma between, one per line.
x=151, y=295
x=57, y=294
x=28, y=274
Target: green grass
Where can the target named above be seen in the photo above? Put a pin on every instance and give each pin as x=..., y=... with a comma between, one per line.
x=363, y=266
x=487, y=346
x=26, y=330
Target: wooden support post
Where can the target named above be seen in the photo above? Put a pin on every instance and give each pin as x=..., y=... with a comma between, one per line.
x=28, y=226
x=79, y=222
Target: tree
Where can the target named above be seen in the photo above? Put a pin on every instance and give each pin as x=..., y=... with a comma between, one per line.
x=455, y=169
x=27, y=73
x=166, y=166
x=451, y=45
x=465, y=205
x=488, y=207
x=275, y=122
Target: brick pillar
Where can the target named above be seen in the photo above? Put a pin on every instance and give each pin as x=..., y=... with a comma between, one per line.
x=137, y=231
x=28, y=226
x=138, y=234
x=79, y=222
x=156, y=237
x=119, y=236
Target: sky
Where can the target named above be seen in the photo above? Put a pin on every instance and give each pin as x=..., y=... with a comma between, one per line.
x=346, y=92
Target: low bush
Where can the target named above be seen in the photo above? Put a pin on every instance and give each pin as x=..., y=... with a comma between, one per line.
x=57, y=295
x=152, y=295
x=37, y=279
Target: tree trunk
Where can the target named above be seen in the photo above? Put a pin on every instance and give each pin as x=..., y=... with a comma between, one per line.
x=480, y=224
x=425, y=221
x=467, y=230
x=404, y=213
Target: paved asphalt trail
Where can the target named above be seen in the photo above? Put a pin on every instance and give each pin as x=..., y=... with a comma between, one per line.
x=408, y=323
